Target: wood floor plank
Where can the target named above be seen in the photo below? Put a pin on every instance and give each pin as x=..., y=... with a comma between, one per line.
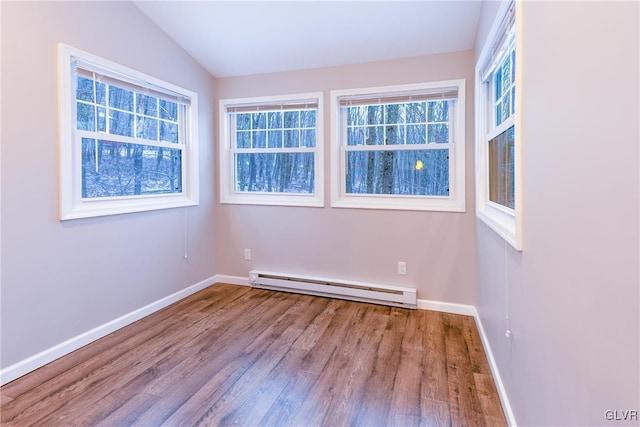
x=214, y=367
x=435, y=382
x=361, y=364
x=233, y=355
x=268, y=349
x=491, y=407
x=376, y=401
x=316, y=405
x=464, y=404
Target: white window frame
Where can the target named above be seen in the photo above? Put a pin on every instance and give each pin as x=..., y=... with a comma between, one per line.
x=72, y=205
x=454, y=202
x=227, y=150
x=503, y=220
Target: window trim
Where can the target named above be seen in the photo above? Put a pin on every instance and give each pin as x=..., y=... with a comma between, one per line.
x=72, y=206
x=504, y=221
x=455, y=202
x=228, y=195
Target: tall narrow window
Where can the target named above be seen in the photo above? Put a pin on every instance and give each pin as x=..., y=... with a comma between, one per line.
x=271, y=150
x=498, y=192
x=400, y=147
x=128, y=140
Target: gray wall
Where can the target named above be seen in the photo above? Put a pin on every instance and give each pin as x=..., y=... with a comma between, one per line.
x=572, y=295
x=356, y=244
x=63, y=279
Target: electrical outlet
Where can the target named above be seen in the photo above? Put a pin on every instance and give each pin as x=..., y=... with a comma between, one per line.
x=247, y=254
x=402, y=268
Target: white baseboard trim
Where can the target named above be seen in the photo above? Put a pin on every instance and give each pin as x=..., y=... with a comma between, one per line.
x=494, y=370
x=446, y=307
x=36, y=361
x=231, y=280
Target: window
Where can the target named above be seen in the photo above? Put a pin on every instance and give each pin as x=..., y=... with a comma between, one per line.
x=399, y=147
x=128, y=140
x=498, y=192
x=271, y=150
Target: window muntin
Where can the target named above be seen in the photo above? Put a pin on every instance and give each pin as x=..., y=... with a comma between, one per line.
x=127, y=139
x=272, y=153
x=498, y=175
x=500, y=130
x=115, y=168
x=400, y=147
x=381, y=155
x=504, y=85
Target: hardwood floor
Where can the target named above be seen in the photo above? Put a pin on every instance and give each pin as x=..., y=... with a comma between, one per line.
x=232, y=355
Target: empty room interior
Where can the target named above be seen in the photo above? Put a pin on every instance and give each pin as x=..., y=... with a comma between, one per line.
x=320, y=213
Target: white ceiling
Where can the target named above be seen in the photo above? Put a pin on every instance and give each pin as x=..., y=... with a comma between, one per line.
x=232, y=38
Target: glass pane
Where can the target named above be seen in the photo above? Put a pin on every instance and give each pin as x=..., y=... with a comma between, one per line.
x=111, y=169
x=291, y=138
x=375, y=135
x=513, y=65
x=147, y=105
x=356, y=115
x=506, y=107
x=291, y=119
x=416, y=134
x=275, y=138
x=506, y=73
x=146, y=128
x=259, y=139
x=85, y=90
x=438, y=134
x=501, y=168
x=406, y=172
x=243, y=121
x=275, y=120
x=308, y=119
x=85, y=117
x=308, y=138
x=438, y=111
x=120, y=98
x=394, y=113
x=355, y=136
x=168, y=110
x=498, y=83
x=243, y=139
x=275, y=172
x=121, y=123
x=416, y=112
x=395, y=135
x=374, y=114
x=168, y=132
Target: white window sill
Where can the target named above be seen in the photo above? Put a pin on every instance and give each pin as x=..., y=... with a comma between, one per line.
x=502, y=221
x=272, y=200
x=369, y=201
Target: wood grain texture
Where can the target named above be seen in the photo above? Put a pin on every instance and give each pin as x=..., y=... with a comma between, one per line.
x=232, y=355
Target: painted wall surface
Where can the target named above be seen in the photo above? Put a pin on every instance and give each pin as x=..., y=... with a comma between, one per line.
x=356, y=244
x=60, y=279
x=572, y=295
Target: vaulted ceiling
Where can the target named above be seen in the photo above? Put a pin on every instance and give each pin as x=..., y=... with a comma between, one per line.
x=232, y=38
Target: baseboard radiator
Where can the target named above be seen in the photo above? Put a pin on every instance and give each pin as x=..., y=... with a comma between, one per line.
x=333, y=288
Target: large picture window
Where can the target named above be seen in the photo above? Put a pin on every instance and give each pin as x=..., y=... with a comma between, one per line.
x=400, y=147
x=499, y=194
x=271, y=150
x=128, y=140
